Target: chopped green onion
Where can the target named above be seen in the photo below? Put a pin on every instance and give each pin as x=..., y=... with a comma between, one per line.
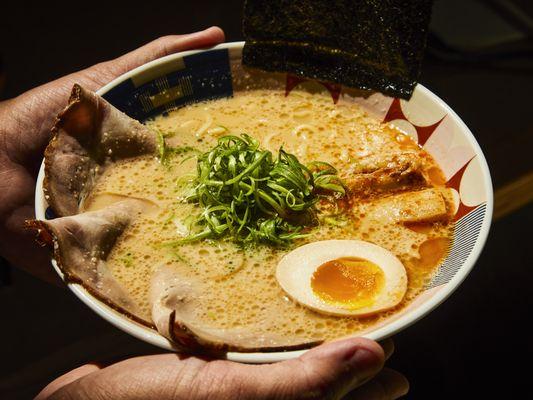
x=248, y=195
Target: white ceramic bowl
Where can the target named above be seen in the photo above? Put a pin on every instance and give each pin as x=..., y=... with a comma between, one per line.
x=217, y=72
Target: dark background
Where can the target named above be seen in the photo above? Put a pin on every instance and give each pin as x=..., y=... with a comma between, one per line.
x=477, y=344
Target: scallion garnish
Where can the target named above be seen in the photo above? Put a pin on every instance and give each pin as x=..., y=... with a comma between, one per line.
x=248, y=195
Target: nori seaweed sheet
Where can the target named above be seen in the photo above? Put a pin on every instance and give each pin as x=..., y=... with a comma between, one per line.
x=367, y=44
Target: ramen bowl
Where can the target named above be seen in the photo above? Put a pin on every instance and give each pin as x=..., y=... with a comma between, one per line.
x=183, y=78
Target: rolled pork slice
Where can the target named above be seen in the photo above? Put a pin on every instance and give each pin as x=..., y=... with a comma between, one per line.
x=174, y=299
x=88, y=135
x=82, y=244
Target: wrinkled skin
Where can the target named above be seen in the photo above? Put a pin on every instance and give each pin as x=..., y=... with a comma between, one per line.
x=329, y=371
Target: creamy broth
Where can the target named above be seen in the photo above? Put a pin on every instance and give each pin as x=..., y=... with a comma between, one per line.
x=240, y=285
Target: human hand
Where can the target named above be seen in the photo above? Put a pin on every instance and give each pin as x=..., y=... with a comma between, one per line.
x=25, y=124
x=351, y=368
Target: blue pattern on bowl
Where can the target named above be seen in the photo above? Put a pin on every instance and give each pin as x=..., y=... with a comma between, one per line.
x=194, y=78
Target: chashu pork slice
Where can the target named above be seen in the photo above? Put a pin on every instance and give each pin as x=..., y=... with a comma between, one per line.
x=383, y=175
x=428, y=205
x=88, y=134
x=174, y=299
x=82, y=244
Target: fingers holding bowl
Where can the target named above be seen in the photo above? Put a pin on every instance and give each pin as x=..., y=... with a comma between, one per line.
x=387, y=385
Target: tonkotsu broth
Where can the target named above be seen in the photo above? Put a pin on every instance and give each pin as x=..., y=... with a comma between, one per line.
x=242, y=288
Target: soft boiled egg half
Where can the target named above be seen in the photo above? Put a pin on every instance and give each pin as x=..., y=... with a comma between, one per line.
x=343, y=277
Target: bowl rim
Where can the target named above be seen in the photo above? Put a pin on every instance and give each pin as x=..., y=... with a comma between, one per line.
x=146, y=334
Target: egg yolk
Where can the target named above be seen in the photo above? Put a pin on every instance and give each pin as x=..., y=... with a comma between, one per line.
x=350, y=282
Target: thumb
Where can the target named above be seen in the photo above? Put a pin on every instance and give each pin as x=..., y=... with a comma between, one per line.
x=104, y=72
x=100, y=74
x=94, y=77
x=36, y=109
x=327, y=372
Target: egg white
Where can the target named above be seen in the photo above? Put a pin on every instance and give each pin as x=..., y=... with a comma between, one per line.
x=295, y=270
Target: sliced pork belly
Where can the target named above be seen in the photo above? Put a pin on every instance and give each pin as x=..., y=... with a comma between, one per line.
x=82, y=243
x=427, y=205
x=395, y=173
x=87, y=135
x=174, y=300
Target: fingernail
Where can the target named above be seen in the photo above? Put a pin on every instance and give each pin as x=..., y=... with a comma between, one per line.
x=401, y=389
x=357, y=354
x=366, y=362
x=393, y=383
